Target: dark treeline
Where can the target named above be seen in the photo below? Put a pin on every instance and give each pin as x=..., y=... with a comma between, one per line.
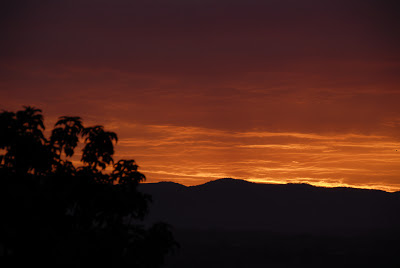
x=55, y=214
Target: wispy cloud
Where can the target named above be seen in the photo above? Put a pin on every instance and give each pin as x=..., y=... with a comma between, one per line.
x=192, y=155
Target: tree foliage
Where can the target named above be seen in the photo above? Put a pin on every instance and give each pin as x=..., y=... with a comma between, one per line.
x=65, y=135
x=56, y=214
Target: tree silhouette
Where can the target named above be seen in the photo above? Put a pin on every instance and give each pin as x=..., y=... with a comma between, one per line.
x=99, y=147
x=55, y=214
x=126, y=172
x=66, y=134
x=22, y=138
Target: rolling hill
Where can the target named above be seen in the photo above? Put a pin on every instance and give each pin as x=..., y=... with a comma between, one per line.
x=228, y=204
x=234, y=223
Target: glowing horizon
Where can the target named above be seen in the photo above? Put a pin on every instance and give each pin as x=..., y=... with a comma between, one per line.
x=329, y=160
x=302, y=181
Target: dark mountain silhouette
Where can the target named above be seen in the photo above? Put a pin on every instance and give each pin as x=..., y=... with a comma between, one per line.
x=235, y=223
x=229, y=204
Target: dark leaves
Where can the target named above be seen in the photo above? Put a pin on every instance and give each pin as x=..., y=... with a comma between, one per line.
x=54, y=211
x=99, y=148
x=66, y=134
x=125, y=172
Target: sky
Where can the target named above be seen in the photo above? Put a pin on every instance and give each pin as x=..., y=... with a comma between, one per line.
x=267, y=91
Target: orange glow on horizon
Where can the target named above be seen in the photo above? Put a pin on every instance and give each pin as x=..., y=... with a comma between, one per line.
x=192, y=156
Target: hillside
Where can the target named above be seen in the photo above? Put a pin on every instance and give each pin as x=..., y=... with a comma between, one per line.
x=229, y=204
x=234, y=223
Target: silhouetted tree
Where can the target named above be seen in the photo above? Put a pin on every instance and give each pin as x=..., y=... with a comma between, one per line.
x=56, y=214
x=65, y=135
x=99, y=148
x=126, y=172
x=23, y=140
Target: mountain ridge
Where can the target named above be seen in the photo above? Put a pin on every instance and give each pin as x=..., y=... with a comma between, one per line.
x=239, y=181
x=229, y=204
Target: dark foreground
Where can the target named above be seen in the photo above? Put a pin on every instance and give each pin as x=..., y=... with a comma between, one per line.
x=261, y=225
x=260, y=249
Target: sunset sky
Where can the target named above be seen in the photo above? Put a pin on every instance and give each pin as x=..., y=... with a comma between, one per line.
x=268, y=91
